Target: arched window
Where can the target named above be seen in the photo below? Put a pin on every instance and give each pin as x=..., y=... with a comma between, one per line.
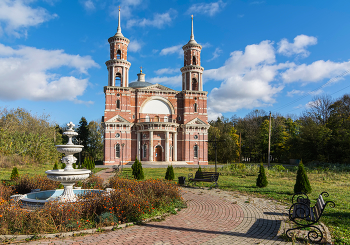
x=147, y=118
x=117, y=151
x=195, y=149
x=194, y=61
x=118, y=79
x=119, y=54
x=194, y=84
x=144, y=151
x=118, y=104
x=195, y=107
x=165, y=119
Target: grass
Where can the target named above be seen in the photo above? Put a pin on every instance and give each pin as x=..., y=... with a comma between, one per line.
x=335, y=181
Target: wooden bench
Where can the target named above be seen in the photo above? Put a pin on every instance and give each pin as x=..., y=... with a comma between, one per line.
x=204, y=177
x=304, y=215
x=116, y=168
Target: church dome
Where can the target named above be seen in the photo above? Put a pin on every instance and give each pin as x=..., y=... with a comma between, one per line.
x=141, y=82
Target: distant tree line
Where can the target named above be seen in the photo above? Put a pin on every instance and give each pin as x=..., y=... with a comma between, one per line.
x=321, y=133
x=27, y=138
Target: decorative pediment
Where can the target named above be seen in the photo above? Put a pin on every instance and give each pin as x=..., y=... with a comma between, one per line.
x=158, y=87
x=118, y=119
x=196, y=121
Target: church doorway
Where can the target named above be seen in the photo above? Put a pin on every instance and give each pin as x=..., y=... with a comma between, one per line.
x=158, y=153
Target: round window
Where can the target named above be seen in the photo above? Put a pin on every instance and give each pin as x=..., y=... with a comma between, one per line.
x=196, y=136
x=117, y=135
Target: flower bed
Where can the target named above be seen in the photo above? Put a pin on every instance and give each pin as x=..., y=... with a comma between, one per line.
x=130, y=201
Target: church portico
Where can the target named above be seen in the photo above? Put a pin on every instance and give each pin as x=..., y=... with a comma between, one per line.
x=151, y=122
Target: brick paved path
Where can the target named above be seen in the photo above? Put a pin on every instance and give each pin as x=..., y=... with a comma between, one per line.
x=212, y=217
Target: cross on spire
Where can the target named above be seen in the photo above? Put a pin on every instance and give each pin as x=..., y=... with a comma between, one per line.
x=141, y=68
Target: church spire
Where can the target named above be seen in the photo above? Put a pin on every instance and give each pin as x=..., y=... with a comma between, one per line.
x=192, y=36
x=119, y=29
x=192, y=41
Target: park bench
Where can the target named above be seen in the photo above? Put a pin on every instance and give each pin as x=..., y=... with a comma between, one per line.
x=116, y=168
x=204, y=177
x=306, y=216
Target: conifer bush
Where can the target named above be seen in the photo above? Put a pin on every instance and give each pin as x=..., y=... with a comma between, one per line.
x=261, y=181
x=302, y=184
x=63, y=165
x=14, y=174
x=55, y=166
x=199, y=169
x=137, y=170
x=169, y=175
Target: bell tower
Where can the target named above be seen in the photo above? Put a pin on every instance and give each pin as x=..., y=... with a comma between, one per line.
x=192, y=70
x=118, y=66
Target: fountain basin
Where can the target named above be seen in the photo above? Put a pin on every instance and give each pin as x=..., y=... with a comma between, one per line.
x=69, y=149
x=36, y=200
x=71, y=175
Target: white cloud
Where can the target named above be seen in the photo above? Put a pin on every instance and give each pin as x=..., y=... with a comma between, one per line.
x=88, y=5
x=16, y=16
x=134, y=46
x=177, y=49
x=167, y=71
x=175, y=81
x=247, y=79
x=206, y=8
x=315, y=72
x=158, y=21
x=253, y=78
x=295, y=92
x=298, y=47
x=216, y=54
x=257, y=2
x=28, y=73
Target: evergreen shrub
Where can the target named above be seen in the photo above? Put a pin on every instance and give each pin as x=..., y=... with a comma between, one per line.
x=261, y=181
x=55, y=166
x=199, y=169
x=14, y=174
x=137, y=170
x=63, y=165
x=302, y=184
x=169, y=175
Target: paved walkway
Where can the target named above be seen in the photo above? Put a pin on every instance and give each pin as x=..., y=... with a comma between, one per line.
x=212, y=217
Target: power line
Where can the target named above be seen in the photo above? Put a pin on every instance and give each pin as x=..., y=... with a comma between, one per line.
x=334, y=79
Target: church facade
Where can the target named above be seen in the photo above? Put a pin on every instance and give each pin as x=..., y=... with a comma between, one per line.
x=154, y=123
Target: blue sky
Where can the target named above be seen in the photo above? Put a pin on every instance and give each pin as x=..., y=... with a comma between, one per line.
x=271, y=55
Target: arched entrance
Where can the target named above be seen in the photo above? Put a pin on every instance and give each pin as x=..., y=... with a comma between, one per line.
x=158, y=153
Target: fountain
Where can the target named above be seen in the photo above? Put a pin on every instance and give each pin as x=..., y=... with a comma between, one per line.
x=67, y=176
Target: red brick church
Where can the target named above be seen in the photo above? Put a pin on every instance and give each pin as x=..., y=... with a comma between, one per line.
x=154, y=123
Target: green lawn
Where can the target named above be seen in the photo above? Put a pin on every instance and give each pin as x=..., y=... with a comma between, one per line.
x=280, y=187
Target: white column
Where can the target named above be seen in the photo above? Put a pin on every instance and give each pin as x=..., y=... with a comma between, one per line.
x=113, y=80
x=184, y=88
x=175, y=147
x=123, y=77
x=167, y=146
x=150, y=146
x=190, y=81
x=138, y=145
x=201, y=81
x=109, y=76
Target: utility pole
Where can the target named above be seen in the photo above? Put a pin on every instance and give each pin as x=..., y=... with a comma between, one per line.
x=268, y=153
x=240, y=147
x=216, y=153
